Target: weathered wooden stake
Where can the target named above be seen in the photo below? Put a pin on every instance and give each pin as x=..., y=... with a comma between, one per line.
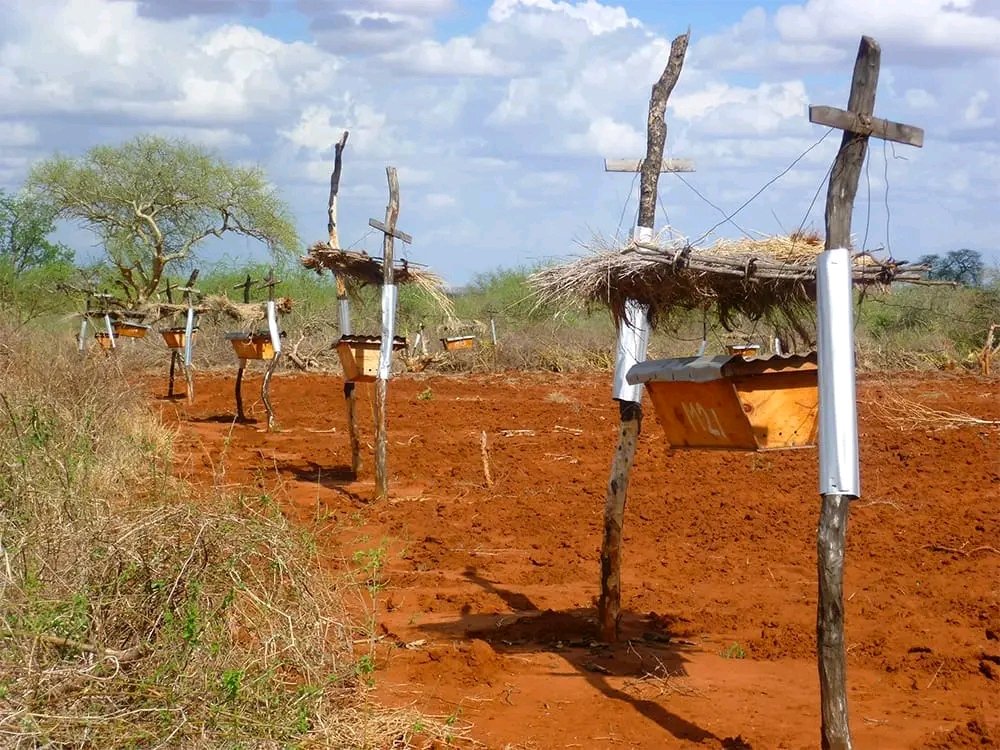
x=382, y=382
x=630, y=412
x=858, y=124
x=343, y=304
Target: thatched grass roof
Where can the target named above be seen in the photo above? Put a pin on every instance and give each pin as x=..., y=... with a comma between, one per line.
x=752, y=277
x=358, y=269
x=244, y=313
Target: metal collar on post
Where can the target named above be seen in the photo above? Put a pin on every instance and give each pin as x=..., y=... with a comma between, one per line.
x=272, y=327
x=389, y=295
x=839, y=473
x=633, y=340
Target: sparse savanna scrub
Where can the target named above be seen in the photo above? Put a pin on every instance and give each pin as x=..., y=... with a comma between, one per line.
x=138, y=611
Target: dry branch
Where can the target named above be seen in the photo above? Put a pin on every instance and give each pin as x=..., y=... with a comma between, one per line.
x=905, y=414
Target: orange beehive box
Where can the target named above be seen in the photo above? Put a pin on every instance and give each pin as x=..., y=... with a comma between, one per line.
x=747, y=351
x=457, y=343
x=251, y=346
x=732, y=403
x=130, y=330
x=359, y=356
x=176, y=338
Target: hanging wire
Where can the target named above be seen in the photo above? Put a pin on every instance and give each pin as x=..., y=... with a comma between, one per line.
x=628, y=199
x=666, y=216
x=694, y=190
x=812, y=203
x=885, y=157
x=868, y=213
x=768, y=184
x=361, y=239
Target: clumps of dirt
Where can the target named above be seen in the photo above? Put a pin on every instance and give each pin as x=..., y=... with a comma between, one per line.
x=973, y=734
x=782, y=641
x=469, y=663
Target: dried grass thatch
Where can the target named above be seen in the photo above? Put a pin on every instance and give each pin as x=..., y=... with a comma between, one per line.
x=246, y=314
x=358, y=269
x=751, y=277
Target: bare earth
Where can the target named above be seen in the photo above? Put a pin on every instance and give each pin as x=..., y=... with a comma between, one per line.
x=495, y=588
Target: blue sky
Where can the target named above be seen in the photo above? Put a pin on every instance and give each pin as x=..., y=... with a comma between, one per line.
x=498, y=113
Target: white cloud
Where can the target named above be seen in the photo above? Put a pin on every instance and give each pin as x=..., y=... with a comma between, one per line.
x=720, y=108
x=919, y=98
x=908, y=26
x=17, y=134
x=439, y=200
x=973, y=114
x=599, y=18
x=605, y=136
x=459, y=56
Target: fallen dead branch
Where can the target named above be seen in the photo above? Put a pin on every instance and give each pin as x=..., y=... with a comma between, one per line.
x=905, y=414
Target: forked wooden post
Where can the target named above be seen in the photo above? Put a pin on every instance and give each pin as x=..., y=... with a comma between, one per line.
x=382, y=381
x=343, y=304
x=630, y=412
x=858, y=123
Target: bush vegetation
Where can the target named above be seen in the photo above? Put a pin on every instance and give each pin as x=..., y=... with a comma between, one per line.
x=139, y=611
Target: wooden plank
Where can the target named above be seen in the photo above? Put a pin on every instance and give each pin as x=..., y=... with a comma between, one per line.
x=635, y=165
x=887, y=130
x=376, y=224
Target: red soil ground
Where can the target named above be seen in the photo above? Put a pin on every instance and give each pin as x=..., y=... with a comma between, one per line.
x=495, y=588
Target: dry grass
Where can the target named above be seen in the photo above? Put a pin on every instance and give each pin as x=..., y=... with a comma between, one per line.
x=358, y=269
x=906, y=414
x=137, y=615
x=755, y=278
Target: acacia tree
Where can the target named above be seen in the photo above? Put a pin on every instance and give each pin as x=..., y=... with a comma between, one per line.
x=963, y=266
x=153, y=200
x=25, y=225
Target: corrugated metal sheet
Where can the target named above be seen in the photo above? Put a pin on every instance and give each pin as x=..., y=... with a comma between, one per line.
x=708, y=368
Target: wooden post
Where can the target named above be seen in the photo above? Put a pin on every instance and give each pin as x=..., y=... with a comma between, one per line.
x=265, y=388
x=630, y=412
x=382, y=383
x=858, y=124
x=343, y=304
x=173, y=352
x=331, y=209
x=240, y=415
x=189, y=292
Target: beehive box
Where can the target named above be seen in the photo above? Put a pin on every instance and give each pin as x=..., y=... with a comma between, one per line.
x=129, y=330
x=359, y=356
x=747, y=351
x=732, y=403
x=251, y=346
x=457, y=343
x=104, y=340
x=176, y=338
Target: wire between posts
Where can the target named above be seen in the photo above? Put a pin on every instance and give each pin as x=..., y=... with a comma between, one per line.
x=766, y=185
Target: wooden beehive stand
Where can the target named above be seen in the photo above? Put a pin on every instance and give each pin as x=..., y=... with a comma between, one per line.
x=258, y=345
x=733, y=402
x=369, y=358
x=103, y=310
x=180, y=339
